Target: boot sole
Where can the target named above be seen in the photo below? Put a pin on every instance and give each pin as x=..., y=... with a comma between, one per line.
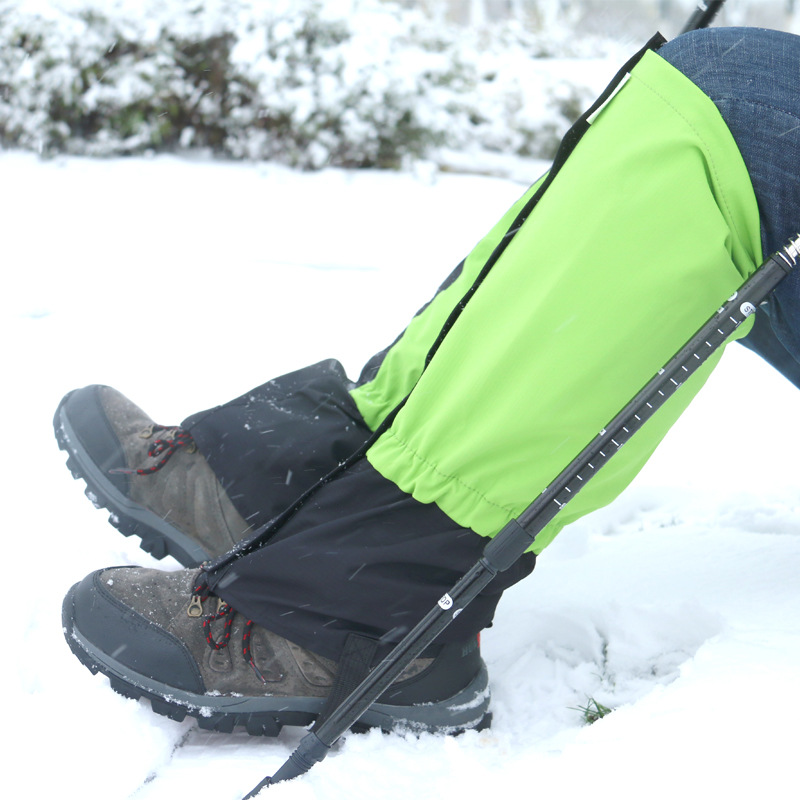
x=157, y=536
x=266, y=716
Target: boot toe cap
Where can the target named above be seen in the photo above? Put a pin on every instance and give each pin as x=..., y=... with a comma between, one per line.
x=81, y=418
x=111, y=631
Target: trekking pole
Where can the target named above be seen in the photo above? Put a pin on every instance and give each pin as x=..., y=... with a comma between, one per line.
x=517, y=536
x=703, y=15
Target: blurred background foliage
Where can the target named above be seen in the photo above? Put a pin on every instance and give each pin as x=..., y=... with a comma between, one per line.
x=311, y=83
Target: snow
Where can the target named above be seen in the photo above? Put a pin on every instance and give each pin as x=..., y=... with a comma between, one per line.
x=184, y=283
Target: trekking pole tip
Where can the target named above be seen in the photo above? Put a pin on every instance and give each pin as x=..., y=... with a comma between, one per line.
x=257, y=790
x=310, y=751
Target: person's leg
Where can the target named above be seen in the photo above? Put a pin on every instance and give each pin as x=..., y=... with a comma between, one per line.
x=648, y=226
x=752, y=76
x=598, y=280
x=271, y=445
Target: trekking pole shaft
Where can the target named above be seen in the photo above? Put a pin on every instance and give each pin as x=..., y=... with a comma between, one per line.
x=703, y=15
x=517, y=536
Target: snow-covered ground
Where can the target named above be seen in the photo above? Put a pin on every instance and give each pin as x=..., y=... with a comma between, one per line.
x=184, y=283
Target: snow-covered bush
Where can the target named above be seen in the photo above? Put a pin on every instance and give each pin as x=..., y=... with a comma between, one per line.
x=100, y=84
x=345, y=82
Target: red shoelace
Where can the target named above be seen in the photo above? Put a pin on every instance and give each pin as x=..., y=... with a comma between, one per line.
x=225, y=612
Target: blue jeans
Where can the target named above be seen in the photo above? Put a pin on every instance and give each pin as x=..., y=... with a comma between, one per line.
x=753, y=77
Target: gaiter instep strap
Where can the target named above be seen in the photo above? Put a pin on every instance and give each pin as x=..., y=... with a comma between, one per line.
x=357, y=658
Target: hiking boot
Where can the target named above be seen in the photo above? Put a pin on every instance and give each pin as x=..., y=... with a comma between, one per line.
x=152, y=479
x=159, y=635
